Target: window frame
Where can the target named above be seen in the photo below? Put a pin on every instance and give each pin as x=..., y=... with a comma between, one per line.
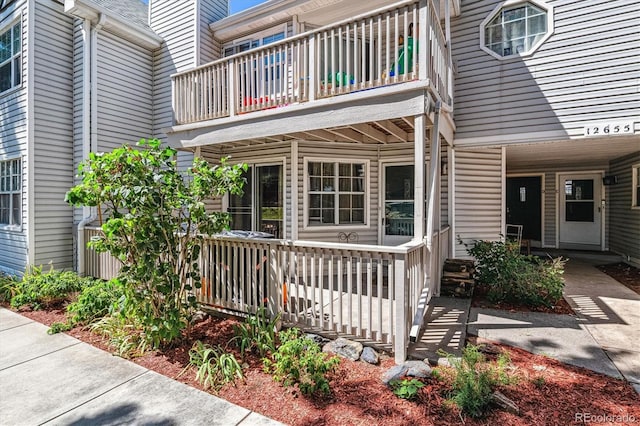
x=306, y=193
x=635, y=186
x=254, y=38
x=513, y=4
x=11, y=226
x=16, y=72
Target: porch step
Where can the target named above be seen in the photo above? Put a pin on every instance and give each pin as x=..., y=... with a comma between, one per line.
x=457, y=278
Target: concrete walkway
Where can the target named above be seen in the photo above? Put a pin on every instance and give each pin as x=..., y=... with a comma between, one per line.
x=59, y=380
x=602, y=337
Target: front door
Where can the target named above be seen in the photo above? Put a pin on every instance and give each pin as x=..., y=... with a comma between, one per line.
x=397, y=226
x=524, y=205
x=580, y=211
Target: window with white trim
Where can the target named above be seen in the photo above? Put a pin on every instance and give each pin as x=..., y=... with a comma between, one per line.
x=336, y=193
x=635, y=186
x=10, y=58
x=10, y=192
x=516, y=28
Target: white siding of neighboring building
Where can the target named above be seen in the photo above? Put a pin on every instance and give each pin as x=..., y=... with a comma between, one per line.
x=53, y=134
x=624, y=221
x=78, y=100
x=125, y=92
x=478, y=184
x=587, y=70
x=13, y=144
x=210, y=11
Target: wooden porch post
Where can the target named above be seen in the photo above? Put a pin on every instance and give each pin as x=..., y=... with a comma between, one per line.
x=402, y=318
x=419, y=170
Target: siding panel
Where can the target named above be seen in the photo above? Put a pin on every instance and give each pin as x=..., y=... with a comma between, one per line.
x=624, y=221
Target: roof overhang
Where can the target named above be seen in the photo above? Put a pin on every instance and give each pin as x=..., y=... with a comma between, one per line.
x=87, y=9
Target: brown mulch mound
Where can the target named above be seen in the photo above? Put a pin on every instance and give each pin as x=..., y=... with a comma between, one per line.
x=623, y=273
x=546, y=391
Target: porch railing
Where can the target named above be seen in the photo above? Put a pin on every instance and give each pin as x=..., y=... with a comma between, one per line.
x=357, y=54
x=371, y=293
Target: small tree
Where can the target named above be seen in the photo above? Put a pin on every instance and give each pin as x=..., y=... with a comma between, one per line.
x=155, y=218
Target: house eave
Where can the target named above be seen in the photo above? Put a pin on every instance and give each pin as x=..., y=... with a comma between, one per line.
x=87, y=9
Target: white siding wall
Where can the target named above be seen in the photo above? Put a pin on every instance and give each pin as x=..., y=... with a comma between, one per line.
x=587, y=70
x=478, y=184
x=175, y=22
x=78, y=100
x=624, y=222
x=53, y=134
x=13, y=144
x=210, y=11
x=125, y=90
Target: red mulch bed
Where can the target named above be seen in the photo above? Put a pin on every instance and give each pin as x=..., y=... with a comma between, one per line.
x=623, y=273
x=547, y=391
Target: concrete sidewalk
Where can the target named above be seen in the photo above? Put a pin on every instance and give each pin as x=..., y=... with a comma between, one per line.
x=602, y=337
x=60, y=380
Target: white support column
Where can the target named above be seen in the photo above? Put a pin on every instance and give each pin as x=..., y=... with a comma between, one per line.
x=313, y=72
x=419, y=171
x=401, y=289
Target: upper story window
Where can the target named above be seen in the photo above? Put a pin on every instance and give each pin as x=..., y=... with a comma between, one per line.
x=10, y=192
x=262, y=38
x=516, y=28
x=10, y=58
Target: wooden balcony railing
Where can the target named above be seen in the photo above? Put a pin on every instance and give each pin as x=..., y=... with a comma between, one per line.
x=361, y=53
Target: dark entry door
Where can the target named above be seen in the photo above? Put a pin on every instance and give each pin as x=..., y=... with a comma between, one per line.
x=524, y=201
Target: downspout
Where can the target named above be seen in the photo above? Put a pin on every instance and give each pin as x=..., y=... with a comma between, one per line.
x=90, y=115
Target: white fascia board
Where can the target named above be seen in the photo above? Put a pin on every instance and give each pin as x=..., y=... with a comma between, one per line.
x=86, y=9
x=265, y=10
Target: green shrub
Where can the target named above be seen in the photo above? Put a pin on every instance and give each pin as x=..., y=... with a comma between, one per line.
x=513, y=277
x=215, y=367
x=406, y=388
x=473, y=379
x=94, y=302
x=7, y=287
x=257, y=333
x=125, y=333
x=39, y=289
x=300, y=361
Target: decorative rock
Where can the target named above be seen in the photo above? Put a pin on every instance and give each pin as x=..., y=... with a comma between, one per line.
x=505, y=403
x=199, y=316
x=445, y=362
x=417, y=369
x=539, y=367
x=489, y=349
x=394, y=373
x=317, y=338
x=370, y=355
x=344, y=348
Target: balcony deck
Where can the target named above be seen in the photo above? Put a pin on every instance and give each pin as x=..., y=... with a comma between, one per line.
x=360, y=64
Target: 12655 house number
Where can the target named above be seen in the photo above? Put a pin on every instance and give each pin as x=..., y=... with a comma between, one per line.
x=610, y=128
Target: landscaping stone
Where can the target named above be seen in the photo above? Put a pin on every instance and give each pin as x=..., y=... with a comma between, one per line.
x=489, y=349
x=344, y=348
x=445, y=362
x=499, y=399
x=317, y=339
x=417, y=369
x=370, y=355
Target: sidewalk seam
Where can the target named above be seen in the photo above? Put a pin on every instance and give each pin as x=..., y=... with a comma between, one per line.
x=42, y=355
x=19, y=325
x=94, y=398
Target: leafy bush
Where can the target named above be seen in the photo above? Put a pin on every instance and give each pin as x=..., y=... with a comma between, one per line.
x=257, y=333
x=406, y=388
x=300, y=361
x=7, y=287
x=513, y=277
x=156, y=218
x=39, y=288
x=215, y=367
x=94, y=302
x=473, y=379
